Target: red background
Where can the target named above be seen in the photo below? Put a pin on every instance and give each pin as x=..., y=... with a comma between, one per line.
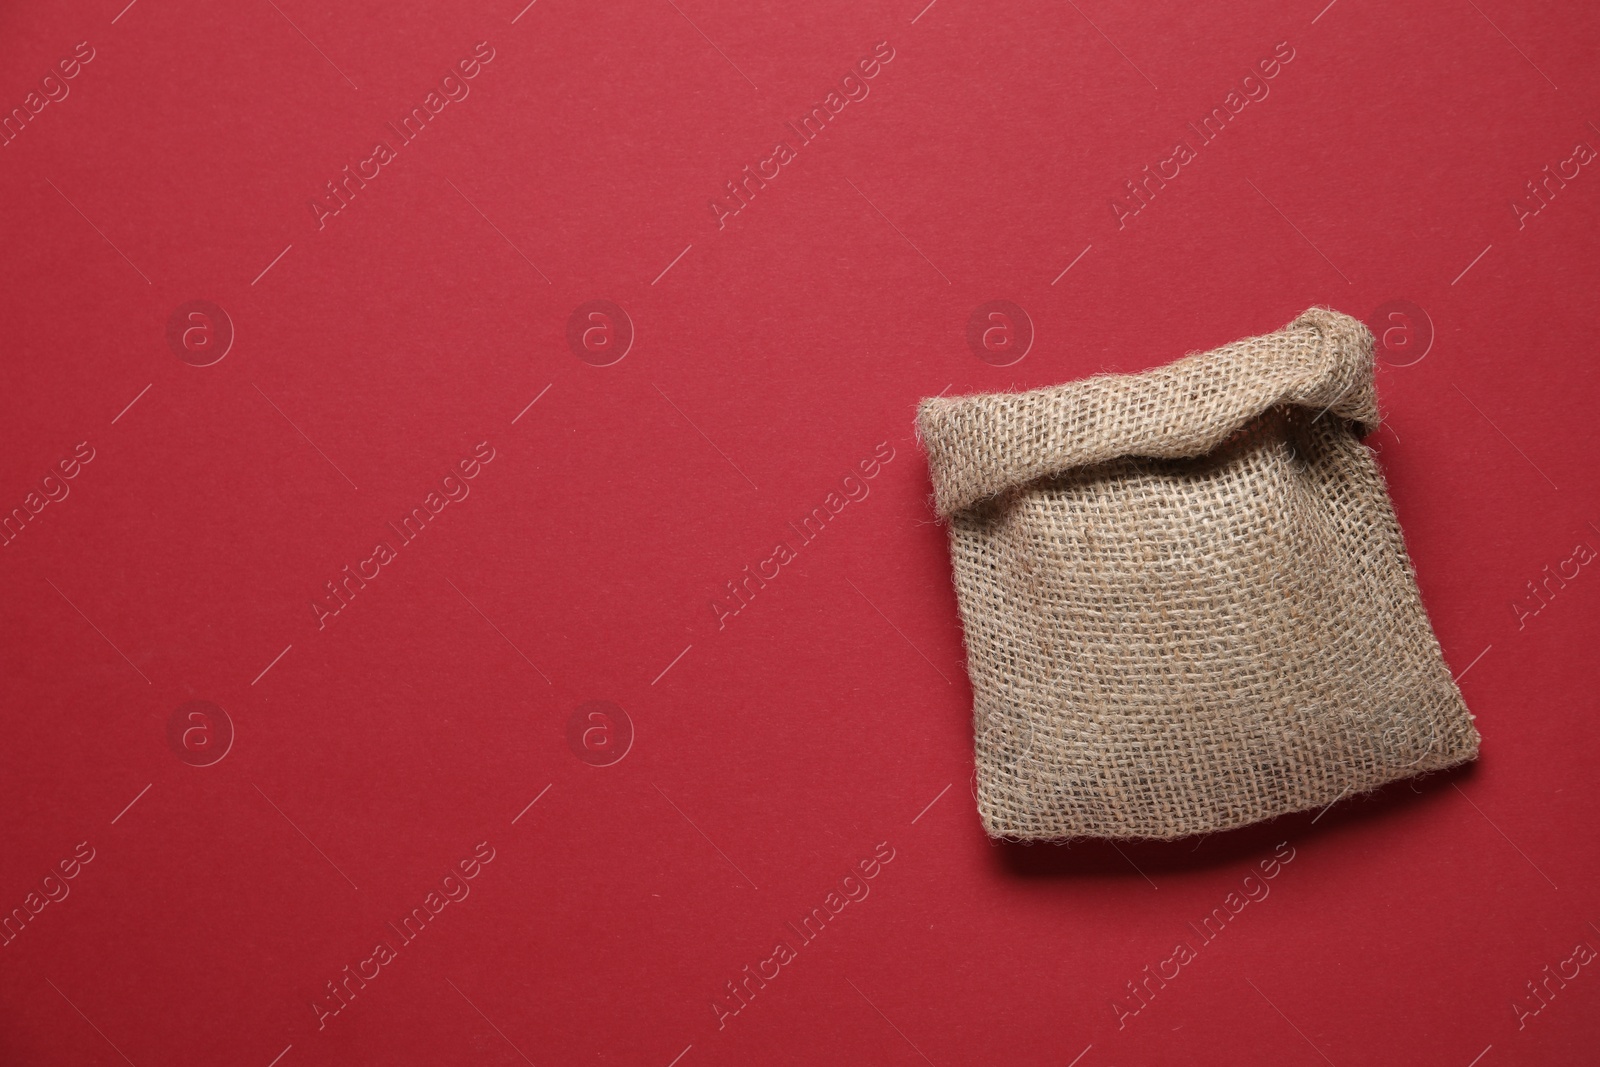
x=770, y=357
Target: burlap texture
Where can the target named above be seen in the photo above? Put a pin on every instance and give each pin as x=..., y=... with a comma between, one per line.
x=1187, y=602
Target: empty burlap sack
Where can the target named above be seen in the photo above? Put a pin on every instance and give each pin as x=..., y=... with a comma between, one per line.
x=1187, y=602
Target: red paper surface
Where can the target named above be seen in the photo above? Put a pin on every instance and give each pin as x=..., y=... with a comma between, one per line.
x=535, y=685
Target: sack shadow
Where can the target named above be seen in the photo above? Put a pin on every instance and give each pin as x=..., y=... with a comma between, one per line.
x=1139, y=860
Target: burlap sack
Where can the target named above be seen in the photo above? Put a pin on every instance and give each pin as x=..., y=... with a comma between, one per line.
x=1187, y=602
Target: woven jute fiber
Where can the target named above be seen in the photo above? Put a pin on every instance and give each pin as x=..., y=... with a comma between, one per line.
x=1187, y=602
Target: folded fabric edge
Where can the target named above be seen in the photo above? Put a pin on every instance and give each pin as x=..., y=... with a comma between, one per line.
x=984, y=444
